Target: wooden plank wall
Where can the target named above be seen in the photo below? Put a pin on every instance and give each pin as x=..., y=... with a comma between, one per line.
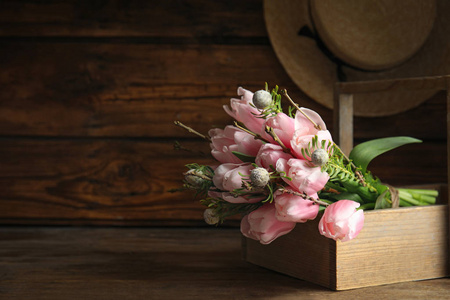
x=89, y=91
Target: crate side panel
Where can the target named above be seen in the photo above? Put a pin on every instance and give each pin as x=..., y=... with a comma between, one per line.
x=395, y=246
x=303, y=254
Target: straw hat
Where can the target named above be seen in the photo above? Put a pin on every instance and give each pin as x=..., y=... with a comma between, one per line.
x=320, y=42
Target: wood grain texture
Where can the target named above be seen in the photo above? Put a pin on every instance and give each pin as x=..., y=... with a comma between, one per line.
x=343, y=122
x=151, y=263
x=125, y=89
x=395, y=245
x=96, y=181
x=101, y=89
x=174, y=19
x=303, y=254
x=437, y=83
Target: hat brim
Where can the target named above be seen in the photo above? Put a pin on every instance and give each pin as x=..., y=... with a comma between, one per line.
x=315, y=73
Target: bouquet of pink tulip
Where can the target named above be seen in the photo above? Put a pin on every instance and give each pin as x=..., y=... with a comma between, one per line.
x=280, y=169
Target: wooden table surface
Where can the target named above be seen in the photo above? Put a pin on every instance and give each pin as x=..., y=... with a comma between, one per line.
x=158, y=263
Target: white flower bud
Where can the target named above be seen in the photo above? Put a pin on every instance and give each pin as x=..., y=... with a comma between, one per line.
x=262, y=99
x=192, y=178
x=259, y=177
x=319, y=157
x=210, y=217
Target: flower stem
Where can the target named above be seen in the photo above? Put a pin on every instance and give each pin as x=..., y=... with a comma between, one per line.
x=422, y=192
x=416, y=198
x=304, y=196
x=178, y=123
x=403, y=203
x=272, y=133
x=285, y=93
x=257, y=136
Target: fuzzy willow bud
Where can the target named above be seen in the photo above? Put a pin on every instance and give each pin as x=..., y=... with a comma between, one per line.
x=319, y=157
x=262, y=99
x=210, y=217
x=259, y=177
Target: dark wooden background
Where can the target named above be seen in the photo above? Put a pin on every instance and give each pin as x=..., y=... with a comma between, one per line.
x=89, y=91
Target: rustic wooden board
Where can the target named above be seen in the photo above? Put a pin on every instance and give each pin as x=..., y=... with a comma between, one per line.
x=96, y=181
x=154, y=263
x=395, y=245
x=166, y=19
x=125, y=89
x=101, y=89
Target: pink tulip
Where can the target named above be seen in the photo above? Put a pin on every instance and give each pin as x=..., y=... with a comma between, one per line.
x=301, y=141
x=227, y=177
x=305, y=176
x=283, y=126
x=293, y=208
x=263, y=226
x=247, y=143
x=242, y=111
x=269, y=154
x=223, y=142
x=301, y=122
x=341, y=220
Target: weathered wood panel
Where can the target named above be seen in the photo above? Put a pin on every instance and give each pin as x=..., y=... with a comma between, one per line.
x=166, y=19
x=125, y=90
x=90, y=89
x=126, y=181
x=158, y=263
x=111, y=181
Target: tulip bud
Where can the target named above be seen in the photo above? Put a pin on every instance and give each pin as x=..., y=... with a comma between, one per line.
x=259, y=177
x=193, y=179
x=210, y=217
x=319, y=157
x=262, y=99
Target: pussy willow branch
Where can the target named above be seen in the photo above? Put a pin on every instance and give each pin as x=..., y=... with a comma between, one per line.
x=285, y=93
x=178, y=123
x=304, y=196
x=272, y=133
x=256, y=136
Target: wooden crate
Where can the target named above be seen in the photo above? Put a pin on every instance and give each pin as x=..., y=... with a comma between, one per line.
x=395, y=245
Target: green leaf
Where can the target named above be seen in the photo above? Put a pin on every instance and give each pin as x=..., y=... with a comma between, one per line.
x=382, y=201
x=244, y=157
x=349, y=196
x=363, y=153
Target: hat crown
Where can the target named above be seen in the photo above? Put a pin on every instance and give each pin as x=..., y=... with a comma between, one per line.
x=373, y=34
